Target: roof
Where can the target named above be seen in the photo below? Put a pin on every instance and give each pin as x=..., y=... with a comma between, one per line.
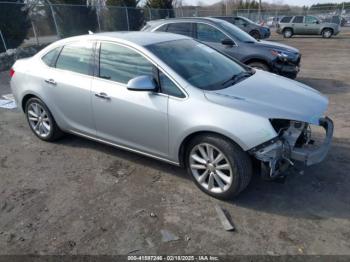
x=189, y=19
x=138, y=38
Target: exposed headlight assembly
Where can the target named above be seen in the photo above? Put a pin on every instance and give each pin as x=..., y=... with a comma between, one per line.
x=280, y=54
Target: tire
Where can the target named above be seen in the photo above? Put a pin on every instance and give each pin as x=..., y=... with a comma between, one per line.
x=255, y=34
x=41, y=121
x=287, y=33
x=235, y=166
x=327, y=33
x=259, y=65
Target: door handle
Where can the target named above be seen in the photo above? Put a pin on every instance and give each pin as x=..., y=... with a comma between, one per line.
x=102, y=95
x=51, y=81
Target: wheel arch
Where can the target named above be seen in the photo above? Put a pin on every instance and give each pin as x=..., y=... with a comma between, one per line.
x=287, y=27
x=25, y=99
x=258, y=59
x=327, y=28
x=189, y=137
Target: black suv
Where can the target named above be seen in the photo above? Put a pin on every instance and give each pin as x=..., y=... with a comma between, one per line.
x=229, y=39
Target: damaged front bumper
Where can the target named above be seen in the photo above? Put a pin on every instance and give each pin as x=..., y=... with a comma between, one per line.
x=292, y=144
x=287, y=67
x=311, y=157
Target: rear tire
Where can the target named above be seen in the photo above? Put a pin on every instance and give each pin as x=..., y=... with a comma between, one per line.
x=41, y=121
x=259, y=65
x=287, y=33
x=327, y=33
x=223, y=171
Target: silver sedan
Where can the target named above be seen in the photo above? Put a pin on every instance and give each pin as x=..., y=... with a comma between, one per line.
x=169, y=97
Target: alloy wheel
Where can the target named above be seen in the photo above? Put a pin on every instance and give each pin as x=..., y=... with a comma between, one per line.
x=211, y=168
x=39, y=120
x=327, y=34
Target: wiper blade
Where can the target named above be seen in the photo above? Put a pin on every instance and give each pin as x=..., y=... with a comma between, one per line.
x=236, y=78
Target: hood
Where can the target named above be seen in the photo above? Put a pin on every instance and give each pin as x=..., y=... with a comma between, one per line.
x=272, y=96
x=279, y=46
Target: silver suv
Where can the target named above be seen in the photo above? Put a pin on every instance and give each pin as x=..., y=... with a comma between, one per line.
x=306, y=25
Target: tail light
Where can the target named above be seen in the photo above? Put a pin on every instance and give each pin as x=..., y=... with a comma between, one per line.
x=12, y=72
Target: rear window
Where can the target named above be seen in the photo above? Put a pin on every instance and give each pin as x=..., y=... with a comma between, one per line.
x=50, y=57
x=180, y=28
x=162, y=28
x=76, y=57
x=286, y=19
x=298, y=19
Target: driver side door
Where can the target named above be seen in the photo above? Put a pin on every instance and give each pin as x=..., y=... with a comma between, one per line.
x=213, y=37
x=311, y=25
x=137, y=120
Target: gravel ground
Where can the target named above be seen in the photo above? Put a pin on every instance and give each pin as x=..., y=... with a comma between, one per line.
x=80, y=197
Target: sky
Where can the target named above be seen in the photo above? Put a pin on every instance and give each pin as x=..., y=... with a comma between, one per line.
x=290, y=2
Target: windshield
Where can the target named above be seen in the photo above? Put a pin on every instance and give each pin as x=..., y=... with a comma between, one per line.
x=250, y=21
x=236, y=32
x=200, y=65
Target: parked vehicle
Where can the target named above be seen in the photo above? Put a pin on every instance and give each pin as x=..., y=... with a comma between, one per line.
x=170, y=97
x=272, y=21
x=255, y=30
x=306, y=25
x=335, y=19
x=229, y=39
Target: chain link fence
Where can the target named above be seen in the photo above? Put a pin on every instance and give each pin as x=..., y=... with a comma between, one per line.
x=49, y=22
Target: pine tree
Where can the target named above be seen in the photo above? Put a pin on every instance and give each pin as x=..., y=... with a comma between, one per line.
x=14, y=23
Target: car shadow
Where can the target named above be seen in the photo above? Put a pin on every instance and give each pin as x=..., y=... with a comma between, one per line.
x=317, y=192
x=322, y=191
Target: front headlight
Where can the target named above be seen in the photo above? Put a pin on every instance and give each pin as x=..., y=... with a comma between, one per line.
x=282, y=55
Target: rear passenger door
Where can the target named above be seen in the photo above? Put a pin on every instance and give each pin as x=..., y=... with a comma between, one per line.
x=298, y=25
x=68, y=83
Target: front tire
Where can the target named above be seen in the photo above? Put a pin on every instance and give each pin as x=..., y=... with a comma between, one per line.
x=41, y=121
x=327, y=33
x=218, y=167
x=287, y=33
x=255, y=34
x=259, y=65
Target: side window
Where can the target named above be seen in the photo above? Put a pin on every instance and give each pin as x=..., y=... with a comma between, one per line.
x=310, y=20
x=162, y=28
x=298, y=19
x=286, y=19
x=207, y=33
x=240, y=22
x=50, y=57
x=168, y=87
x=180, y=28
x=120, y=64
x=76, y=57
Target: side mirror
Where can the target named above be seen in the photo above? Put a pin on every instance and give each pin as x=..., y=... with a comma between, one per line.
x=142, y=83
x=227, y=41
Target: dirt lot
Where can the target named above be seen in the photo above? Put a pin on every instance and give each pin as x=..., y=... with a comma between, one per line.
x=79, y=197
